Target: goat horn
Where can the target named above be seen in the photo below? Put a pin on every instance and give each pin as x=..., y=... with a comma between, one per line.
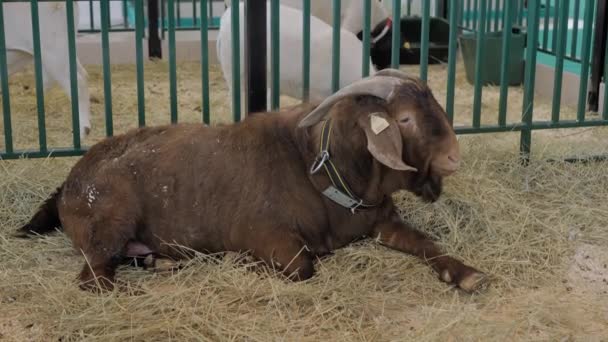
x=396, y=73
x=378, y=86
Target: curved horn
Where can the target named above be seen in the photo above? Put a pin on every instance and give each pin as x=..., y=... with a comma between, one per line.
x=378, y=86
x=395, y=73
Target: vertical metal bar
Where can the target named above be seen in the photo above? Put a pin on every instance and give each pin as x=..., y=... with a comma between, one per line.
x=497, y=15
x=479, y=56
x=520, y=18
x=582, y=95
x=562, y=29
x=73, y=73
x=210, y=9
x=573, y=48
x=462, y=14
x=555, y=23
x=139, y=53
x=424, y=40
x=530, y=78
x=546, y=25
x=6, y=99
x=125, y=14
x=155, y=49
x=255, y=55
x=275, y=50
x=38, y=73
x=468, y=15
x=179, y=13
x=205, y=61
x=172, y=61
x=451, y=84
x=367, y=11
x=306, y=50
x=107, y=77
x=236, y=60
x=600, y=31
x=335, y=60
x=194, y=14
x=504, y=65
x=409, y=7
x=489, y=17
x=475, y=12
x=91, y=15
x=396, y=39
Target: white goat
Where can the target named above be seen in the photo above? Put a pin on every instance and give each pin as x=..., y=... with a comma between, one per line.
x=290, y=40
x=54, y=49
x=351, y=19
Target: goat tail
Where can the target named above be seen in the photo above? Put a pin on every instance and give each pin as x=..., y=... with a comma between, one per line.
x=45, y=220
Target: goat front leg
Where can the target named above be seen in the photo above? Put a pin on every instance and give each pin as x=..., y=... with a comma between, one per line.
x=397, y=235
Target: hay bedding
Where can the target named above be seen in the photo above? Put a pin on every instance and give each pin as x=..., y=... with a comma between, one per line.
x=540, y=231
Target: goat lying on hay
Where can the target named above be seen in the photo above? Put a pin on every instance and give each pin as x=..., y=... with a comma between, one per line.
x=286, y=186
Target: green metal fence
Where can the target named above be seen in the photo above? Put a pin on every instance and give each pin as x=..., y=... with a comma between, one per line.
x=186, y=15
x=551, y=13
x=512, y=15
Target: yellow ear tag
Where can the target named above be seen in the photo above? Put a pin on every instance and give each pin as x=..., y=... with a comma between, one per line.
x=378, y=124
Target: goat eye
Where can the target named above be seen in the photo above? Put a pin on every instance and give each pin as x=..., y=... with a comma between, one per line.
x=404, y=120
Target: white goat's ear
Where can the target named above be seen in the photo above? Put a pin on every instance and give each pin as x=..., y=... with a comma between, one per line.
x=384, y=140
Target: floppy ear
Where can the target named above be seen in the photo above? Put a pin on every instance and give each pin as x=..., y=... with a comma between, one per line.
x=384, y=140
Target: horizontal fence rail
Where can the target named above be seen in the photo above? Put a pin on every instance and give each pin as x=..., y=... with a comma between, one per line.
x=552, y=26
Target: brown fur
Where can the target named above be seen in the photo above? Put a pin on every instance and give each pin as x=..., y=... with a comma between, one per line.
x=246, y=187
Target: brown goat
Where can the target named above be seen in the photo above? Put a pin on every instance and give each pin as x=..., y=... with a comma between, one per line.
x=262, y=185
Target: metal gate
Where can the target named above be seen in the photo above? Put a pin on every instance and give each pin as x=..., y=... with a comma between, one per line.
x=478, y=16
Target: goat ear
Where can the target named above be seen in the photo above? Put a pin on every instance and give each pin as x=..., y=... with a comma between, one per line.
x=384, y=140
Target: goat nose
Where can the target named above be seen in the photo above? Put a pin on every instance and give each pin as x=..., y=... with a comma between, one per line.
x=454, y=159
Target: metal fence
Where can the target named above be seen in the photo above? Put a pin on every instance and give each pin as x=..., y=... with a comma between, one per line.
x=511, y=15
x=186, y=15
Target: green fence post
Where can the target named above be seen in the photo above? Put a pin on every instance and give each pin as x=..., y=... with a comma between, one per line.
x=107, y=77
x=479, y=56
x=236, y=60
x=546, y=26
x=573, y=47
x=194, y=14
x=205, y=61
x=172, y=62
x=139, y=53
x=367, y=12
x=395, y=42
x=275, y=54
x=529, y=79
x=489, y=17
x=179, y=13
x=73, y=75
x=468, y=14
x=449, y=102
x=424, y=40
x=6, y=104
x=335, y=60
x=475, y=17
x=555, y=22
x=582, y=95
x=560, y=49
x=38, y=74
x=306, y=50
x=504, y=66
x=125, y=14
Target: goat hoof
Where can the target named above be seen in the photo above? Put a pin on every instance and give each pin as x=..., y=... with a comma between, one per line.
x=474, y=282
